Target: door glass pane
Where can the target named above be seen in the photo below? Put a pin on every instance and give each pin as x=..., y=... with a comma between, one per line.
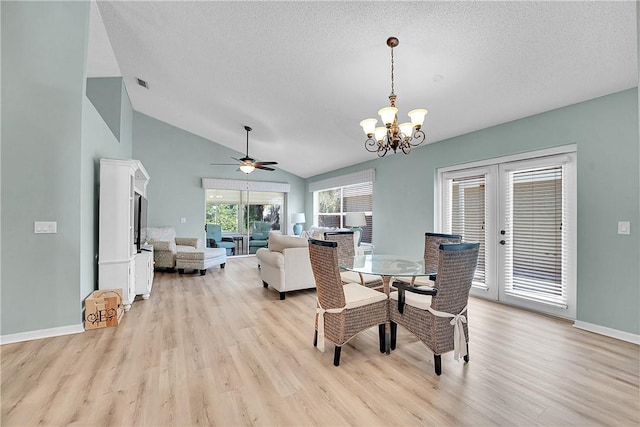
x=466, y=215
x=265, y=206
x=534, y=209
x=222, y=208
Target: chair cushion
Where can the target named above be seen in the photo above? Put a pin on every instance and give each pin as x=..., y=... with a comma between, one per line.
x=352, y=276
x=420, y=281
x=278, y=242
x=182, y=248
x=224, y=244
x=422, y=302
x=356, y=295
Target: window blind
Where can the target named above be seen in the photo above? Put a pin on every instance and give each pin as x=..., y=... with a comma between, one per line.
x=536, y=247
x=465, y=214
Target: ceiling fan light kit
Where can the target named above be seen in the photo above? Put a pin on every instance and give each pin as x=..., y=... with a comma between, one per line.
x=393, y=136
x=247, y=164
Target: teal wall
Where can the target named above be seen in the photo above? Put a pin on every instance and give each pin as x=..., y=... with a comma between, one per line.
x=99, y=141
x=52, y=140
x=177, y=161
x=106, y=95
x=43, y=65
x=606, y=133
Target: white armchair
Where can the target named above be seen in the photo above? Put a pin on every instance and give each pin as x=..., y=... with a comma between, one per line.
x=285, y=264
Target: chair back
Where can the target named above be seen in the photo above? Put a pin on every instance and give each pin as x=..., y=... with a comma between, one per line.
x=326, y=271
x=346, y=245
x=456, y=267
x=432, y=243
x=261, y=230
x=214, y=231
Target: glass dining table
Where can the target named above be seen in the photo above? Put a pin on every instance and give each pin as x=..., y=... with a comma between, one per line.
x=387, y=267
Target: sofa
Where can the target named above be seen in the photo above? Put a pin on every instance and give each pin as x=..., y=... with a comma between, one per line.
x=285, y=264
x=166, y=245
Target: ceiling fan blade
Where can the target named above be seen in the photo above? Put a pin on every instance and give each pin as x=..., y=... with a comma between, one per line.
x=266, y=163
x=258, y=166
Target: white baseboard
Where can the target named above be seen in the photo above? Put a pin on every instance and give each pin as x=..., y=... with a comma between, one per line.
x=41, y=333
x=613, y=333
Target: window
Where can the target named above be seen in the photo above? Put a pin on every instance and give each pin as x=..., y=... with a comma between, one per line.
x=335, y=197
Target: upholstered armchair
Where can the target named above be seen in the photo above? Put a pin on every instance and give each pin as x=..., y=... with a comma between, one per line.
x=285, y=264
x=166, y=245
x=215, y=240
x=259, y=237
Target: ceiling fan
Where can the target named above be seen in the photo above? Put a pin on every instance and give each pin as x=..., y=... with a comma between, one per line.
x=246, y=163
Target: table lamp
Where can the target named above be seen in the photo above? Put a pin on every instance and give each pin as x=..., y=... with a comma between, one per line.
x=297, y=219
x=355, y=220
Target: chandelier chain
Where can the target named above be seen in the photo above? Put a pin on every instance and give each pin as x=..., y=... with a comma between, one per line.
x=392, y=81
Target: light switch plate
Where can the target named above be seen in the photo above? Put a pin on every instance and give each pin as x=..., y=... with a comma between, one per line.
x=183, y=220
x=45, y=227
x=624, y=227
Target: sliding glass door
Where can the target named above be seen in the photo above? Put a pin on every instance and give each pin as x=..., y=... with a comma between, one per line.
x=236, y=211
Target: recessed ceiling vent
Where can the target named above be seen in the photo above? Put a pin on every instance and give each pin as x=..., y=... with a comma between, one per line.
x=142, y=83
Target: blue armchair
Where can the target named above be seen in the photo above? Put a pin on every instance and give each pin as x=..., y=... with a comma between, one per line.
x=214, y=239
x=259, y=236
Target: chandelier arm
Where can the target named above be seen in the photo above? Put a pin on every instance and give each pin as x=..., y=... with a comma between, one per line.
x=371, y=145
x=382, y=151
x=419, y=136
x=406, y=148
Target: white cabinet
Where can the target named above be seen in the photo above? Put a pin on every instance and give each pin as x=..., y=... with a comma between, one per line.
x=119, y=181
x=144, y=272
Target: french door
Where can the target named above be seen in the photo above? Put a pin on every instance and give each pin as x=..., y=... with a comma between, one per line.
x=523, y=214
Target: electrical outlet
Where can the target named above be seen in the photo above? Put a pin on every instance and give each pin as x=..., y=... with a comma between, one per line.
x=624, y=227
x=183, y=220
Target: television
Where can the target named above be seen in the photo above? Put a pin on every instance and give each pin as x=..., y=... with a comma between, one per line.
x=139, y=221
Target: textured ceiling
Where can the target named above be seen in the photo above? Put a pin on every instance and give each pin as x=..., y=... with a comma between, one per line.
x=303, y=74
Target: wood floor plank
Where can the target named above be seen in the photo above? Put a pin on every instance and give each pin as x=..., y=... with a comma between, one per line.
x=220, y=349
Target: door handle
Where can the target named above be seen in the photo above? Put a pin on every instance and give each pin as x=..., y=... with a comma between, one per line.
x=502, y=242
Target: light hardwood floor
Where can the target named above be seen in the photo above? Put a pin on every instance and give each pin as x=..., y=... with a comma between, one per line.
x=222, y=350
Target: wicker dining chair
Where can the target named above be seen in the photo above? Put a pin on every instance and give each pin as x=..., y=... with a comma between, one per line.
x=432, y=242
x=438, y=316
x=346, y=252
x=342, y=311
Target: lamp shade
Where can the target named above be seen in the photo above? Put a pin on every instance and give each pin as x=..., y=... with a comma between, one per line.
x=356, y=219
x=368, y=126
x=247, y=168
x=298, y=218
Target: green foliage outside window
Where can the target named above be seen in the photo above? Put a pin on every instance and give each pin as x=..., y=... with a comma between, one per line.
x=329, y=201
x=225, y=215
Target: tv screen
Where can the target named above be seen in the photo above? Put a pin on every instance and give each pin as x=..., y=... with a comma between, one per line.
x=139, y=221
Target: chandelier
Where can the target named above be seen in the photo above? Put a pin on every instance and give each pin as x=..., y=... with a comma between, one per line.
x=393, y=136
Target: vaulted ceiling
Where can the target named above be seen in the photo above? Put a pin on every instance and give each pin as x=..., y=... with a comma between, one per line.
x=303, y=74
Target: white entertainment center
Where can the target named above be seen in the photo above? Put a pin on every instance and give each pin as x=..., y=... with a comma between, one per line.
x=120, y=266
